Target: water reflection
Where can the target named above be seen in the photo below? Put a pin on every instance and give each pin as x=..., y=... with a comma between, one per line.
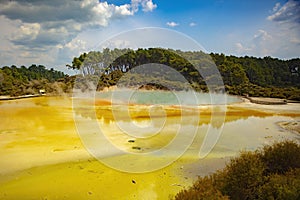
x=154, y=137
x=236, y=134
x=138, y=113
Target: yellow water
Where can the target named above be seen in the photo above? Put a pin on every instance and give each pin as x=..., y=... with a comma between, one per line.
x=42, y=155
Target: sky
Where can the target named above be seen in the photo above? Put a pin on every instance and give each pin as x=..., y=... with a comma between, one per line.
x=51, y=33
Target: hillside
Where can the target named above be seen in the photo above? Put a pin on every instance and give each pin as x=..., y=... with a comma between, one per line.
x=260, y=77
x=16, y=81
x=263, y=77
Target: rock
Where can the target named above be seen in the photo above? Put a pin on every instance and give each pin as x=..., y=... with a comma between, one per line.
x=137, y=148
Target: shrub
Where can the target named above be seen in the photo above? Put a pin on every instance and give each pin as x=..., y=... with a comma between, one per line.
x=281, y=186
x=242, y=176
x=270, y=173
x=281, y=157
x=202, y=189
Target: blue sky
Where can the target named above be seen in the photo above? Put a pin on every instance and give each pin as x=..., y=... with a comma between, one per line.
x=53, y=32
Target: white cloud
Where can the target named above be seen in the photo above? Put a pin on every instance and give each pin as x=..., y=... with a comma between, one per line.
x=192, y=24
x=76, y=44
x=262, y=35
x=241, y=49
x=119, y=44
x=67, y=51
x=281, y=45
x=239, y=46
x=262, y=41
x=261, y=44
x=172, y=24
x=54, y=16
x=289, y=12
x=27, y=32
x=295, y=40
x=147, y=5
x=281, y=38
x=286, y=20
x=41, y=26
x=123, y=10
x=276, y=7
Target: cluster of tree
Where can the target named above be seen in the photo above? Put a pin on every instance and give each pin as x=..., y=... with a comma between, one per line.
x=265, y=71
x=270, y=173
x=110, y=65
x=15, y=81
x=269, y=77
x=266, y=77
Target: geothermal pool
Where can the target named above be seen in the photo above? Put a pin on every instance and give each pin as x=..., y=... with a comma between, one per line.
x=149, y=97
x=49, y=148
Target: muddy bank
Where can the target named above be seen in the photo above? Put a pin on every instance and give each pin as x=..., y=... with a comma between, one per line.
x=293, y=126
x=5, y=98
x=267, y=101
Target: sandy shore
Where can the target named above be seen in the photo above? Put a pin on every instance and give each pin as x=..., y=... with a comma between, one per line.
x=289, y=108
x=6, y=98
x=267, y=101
x=293, y=126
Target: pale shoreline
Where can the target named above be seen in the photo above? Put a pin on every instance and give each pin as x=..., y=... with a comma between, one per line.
x=7, y=98
x=293, y=126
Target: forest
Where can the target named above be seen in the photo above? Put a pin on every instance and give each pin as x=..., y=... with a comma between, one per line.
x=16, y=81
x=263, y=77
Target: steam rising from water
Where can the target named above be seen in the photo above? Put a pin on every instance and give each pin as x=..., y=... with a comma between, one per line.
x=154, y=97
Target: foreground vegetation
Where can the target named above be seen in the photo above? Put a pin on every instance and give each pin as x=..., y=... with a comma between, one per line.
x=263, y=77
x=269, y=173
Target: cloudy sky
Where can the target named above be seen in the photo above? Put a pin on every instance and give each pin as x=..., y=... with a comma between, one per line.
x=53, y=32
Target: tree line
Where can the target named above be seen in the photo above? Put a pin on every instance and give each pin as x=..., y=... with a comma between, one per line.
x=264, y=77
x=267, y=77
x=15, y=81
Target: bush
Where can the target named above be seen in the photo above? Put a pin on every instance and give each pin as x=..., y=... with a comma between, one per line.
x=281, y=157
x=243, y=175
x=202, y=189
x=280, y=186
x=269, y=173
